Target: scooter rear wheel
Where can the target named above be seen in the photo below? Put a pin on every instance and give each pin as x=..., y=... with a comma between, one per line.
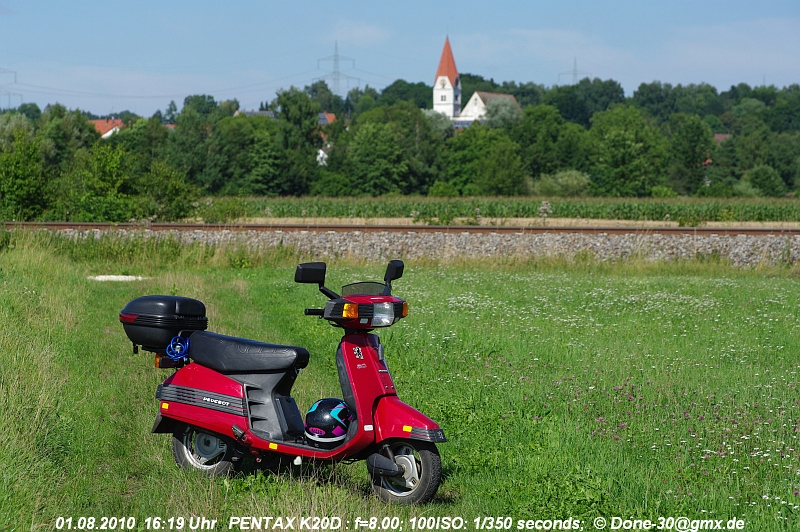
x=196, y=449
x=422, y=473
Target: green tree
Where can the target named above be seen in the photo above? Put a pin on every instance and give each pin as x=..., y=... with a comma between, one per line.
x=10, y=125
x=749, y=108
x=570, y=102
x=785, y=115
x=63, y=134
x=325, y=98
x=164, y=194
x=752, y=145
x=629, y=155
x=599, y=95
x=500, y=172
x=481, y=160
x=203, y=104
x=31, y=111
x=171, y=113
x=245, y=155
x=690, y=146
x=502, y=113
x=440, y=123
x=402, y=91
x=526, y=94
x=93, y=188
x=783, y=154
x=360, y=101
x=145, y=140
x=376, y=163
x=188, y=148
x=766, y=180
x=21, y=178
x=300, y=140
x=547, y=142
x=723, y=174
x=227, y=108
x=702, y=100
x=416, y=137
x=656, y=98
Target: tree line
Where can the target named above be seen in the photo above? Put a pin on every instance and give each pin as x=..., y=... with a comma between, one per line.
x=573, y=140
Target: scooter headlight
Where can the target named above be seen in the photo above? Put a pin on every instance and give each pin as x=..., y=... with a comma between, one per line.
x=366, y=315
x=383, y=314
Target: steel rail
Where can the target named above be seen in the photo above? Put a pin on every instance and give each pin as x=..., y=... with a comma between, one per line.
x=343, y=228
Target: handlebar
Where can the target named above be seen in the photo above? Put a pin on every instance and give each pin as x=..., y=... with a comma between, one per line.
x=314, y=312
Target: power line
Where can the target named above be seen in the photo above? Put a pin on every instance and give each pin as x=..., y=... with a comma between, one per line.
x=8, y=93
x=336, y=76
x=574, y=73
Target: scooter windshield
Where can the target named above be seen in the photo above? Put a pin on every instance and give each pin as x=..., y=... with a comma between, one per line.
x=363, y=289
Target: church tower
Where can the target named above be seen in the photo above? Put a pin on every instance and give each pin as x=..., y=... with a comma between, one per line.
x=447, y=87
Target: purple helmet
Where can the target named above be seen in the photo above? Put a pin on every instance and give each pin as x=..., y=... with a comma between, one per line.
x=326, y=423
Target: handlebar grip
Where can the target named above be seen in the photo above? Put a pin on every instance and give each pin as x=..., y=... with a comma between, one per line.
x=314, y=312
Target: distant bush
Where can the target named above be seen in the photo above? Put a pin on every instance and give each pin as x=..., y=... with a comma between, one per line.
x=662, y=191
x=164, y=193
x=567, y=183
x=766, y=180
x=442, y=189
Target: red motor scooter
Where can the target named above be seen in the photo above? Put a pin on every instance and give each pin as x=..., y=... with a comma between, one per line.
x=231, y=397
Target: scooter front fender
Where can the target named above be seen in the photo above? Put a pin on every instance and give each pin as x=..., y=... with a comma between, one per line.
x=395, y=419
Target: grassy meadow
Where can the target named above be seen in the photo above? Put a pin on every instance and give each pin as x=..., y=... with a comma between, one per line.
x=565, y=389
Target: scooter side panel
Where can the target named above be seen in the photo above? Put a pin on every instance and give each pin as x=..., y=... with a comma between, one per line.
x=200, y=377
x=204, y=398
x=395, y=419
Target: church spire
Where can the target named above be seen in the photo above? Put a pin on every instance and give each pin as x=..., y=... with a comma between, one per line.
x=447, y=87
x=447, y=64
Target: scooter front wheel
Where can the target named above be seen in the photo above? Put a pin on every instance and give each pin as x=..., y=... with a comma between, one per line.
x=421, y=474
x=194, y=448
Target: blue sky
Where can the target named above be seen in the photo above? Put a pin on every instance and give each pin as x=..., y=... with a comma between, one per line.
x=108, y=56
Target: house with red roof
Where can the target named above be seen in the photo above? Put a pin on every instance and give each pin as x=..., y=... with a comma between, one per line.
x=107, y=126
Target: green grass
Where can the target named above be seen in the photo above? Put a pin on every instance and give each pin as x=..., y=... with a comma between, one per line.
x=565, y=389
x=685, y=211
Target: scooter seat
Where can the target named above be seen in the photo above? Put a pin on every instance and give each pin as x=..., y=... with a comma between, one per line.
x=230, y=354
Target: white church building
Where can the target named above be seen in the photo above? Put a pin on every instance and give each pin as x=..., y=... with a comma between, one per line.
x=447, y=93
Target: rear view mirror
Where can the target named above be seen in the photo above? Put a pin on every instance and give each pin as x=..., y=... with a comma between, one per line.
x=311, y=273
x=393, y=271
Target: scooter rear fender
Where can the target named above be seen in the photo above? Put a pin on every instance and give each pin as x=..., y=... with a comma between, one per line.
x=395, y=419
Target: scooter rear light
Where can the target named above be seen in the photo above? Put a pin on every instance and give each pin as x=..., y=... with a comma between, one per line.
x=127, y=318
x=405, y=309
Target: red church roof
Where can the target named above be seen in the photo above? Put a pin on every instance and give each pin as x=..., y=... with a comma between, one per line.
x=447, y=65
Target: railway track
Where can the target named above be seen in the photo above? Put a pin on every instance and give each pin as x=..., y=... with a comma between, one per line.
x=474, y=229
